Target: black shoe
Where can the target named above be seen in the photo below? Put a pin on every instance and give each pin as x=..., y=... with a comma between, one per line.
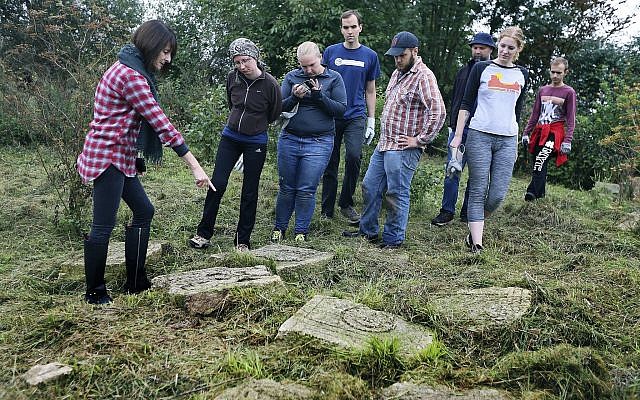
x=98, y=297
x=468, y=241
x=351, y=215
x=476, y=249
x=529, y=196
x=354, y=234
x=389, y=246
x=442, y=219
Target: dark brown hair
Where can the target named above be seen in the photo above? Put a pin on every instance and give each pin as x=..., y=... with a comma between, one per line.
x=349, y=13
x=151, y=38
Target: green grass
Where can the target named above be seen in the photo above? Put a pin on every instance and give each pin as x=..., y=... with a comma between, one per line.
x=579, y=340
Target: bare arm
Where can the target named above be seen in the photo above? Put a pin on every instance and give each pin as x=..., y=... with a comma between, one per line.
x=462, y=120
x=202, y=180
x=370, y=98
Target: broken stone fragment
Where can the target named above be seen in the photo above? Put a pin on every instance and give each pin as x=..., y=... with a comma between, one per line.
x=44, y=373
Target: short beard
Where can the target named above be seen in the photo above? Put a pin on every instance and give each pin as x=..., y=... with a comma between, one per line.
x=412, y=61
x=480, y=58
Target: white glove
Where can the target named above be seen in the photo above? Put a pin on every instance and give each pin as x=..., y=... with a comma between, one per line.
x=239, y=164
x=370, y=132
x=565, y=148
x=525, y=140
x=454, y=166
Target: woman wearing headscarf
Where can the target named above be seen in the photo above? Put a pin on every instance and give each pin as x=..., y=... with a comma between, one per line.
x=254, y=101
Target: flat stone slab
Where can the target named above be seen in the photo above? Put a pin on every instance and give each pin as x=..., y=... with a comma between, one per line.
x=115, y=256
x=287, y=257
x=630, y=222
x=607, y=187
x=215, y=279
x=266, y=389
x=484, y=307
x=410, y=391
x=43, y=373
x=350, y=324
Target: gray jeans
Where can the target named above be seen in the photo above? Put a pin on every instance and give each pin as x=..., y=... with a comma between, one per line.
x=490, y=159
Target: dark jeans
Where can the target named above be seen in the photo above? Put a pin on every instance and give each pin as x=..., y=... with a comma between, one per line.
x=352, y=131
x=540, y=160
x=108, y=189
x=451, y=182
x=254, y=156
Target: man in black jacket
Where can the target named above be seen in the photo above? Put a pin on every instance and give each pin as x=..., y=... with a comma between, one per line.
x=482, y=45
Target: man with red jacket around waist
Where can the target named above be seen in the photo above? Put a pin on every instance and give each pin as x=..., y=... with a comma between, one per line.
x=553, y=109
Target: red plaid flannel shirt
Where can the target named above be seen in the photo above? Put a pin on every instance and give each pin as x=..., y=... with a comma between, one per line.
x=123, y=97
x=413, y=107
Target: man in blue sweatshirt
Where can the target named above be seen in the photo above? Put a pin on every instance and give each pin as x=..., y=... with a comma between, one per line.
x=359, y=67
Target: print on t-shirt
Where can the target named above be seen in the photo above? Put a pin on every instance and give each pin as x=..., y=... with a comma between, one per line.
x=551, y=109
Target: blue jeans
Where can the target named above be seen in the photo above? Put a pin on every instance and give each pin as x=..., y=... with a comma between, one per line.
x=301, y=162
x=389, y=174
x=451, y=182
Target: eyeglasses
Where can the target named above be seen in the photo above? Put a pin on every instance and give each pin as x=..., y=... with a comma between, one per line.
x=242, y=61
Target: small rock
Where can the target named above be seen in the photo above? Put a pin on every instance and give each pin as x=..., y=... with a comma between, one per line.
x=44, y=373
x=410, y=391
x=266, y=389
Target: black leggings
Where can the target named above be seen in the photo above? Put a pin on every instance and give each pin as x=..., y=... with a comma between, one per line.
x=108, y=189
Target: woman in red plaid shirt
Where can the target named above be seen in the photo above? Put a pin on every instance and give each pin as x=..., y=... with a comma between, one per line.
x=127, y=123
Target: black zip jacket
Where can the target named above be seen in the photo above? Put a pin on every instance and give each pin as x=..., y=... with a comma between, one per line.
x=253, y=104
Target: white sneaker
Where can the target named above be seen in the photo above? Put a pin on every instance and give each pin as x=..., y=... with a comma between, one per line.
x=242, y=248
x=198, y=242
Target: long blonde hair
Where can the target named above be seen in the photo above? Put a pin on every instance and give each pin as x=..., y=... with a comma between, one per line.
x=515, y=33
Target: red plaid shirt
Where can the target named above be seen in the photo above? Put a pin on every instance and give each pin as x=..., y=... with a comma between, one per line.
x=123, y=98
x=413, y=107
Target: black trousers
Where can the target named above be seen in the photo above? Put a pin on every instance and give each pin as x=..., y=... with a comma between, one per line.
x=352, y=132
x=254, y=156
x=108, y=189
x=540, y=161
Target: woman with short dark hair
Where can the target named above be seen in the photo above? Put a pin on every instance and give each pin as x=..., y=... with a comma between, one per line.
x=128, y=123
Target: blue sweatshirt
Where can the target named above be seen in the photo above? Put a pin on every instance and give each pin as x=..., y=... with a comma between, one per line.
x=318, y=109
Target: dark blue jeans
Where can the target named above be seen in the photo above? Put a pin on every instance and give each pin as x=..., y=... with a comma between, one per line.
x=352, y=131
x=228, y=152
x=451, y=182
x=301, y=162
x=108, y=189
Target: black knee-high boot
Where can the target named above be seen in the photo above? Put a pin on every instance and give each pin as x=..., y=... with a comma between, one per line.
x=136, y=241
x=95, y=262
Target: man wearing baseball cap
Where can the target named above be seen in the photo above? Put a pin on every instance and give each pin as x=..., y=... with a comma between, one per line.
x=412, y=116
x=482, y=45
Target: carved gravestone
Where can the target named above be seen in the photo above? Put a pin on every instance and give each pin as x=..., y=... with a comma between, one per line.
x=410, y=391
x=43, y=373
x=115, y=257
x=484, y=307
x=289, y=257
x=215, y=279
x=349, y=324
x=266, y=389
